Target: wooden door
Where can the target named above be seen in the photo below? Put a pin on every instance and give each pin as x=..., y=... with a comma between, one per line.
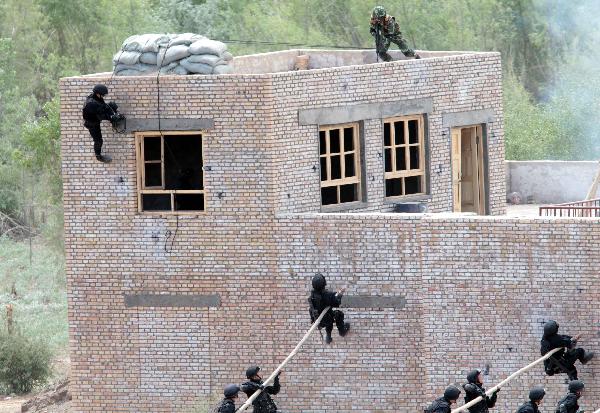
x=468, y=179
x=456, y=168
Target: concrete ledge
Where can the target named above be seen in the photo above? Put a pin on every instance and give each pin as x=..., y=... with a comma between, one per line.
x=353, y=113
x=473, y=117
x=183, y=124
x=171, y=300
x=371, y=301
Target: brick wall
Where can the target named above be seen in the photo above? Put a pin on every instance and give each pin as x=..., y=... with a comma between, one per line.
x=258, y=258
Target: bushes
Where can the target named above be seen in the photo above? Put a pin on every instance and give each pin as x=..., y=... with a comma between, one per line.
x=24, y=363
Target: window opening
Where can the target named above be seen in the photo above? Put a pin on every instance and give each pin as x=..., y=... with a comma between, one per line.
x=171, y=175
x=404, y=156
x=340, y=164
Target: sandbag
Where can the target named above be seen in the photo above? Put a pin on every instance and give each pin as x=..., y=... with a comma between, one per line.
x=200, y=68
x=167, y=68
x=222, y=69
x=148, y=58
x=186, y=39
x=207, y=59
x=227, y=56
x=171, y=54
x=140, y=67
x=129, y=72
x=126, y=58
x=145, y=42
x=207, y=46
x=179, y=70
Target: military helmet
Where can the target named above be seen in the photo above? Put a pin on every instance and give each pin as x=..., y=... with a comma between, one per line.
x=252, y=371
x=231, y=390
x=550, y=328
x=472, y=376
x=379, y=12
x=537, y=394
x=451, y=393
x=100, y=89
x=319, y=282
x=576, y=385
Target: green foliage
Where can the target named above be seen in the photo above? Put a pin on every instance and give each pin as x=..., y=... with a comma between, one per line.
x=24, y=363
x=37, y=291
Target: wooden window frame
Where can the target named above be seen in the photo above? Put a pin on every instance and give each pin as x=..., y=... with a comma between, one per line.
x=357, y=179
x=407, y=173
x=141, y=173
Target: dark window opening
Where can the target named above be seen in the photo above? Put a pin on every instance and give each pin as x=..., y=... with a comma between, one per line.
x=189, y=202
x=412, y=185
x=340, y=164
x=172, y=163
x=413, y=131
x=414, y=157
x=387, y=134
x=152, y=148
x=399, y=133
x=156, y=202
x=348, y=193
x=153, y=175
x=329, y=195
x=393, y=187
x=183, y=162
x=334, y=141
x=348, y=139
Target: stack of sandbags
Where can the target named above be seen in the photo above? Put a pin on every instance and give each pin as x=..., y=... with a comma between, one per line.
x=180, y=54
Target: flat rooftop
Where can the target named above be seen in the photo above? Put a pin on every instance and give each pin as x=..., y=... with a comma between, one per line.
x=287, y=60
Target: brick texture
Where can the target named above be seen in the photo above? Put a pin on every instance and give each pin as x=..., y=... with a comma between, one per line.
x=476, y=288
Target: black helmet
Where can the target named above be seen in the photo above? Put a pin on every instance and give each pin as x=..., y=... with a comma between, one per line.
x=451, y=393
x=537, y=393
x=100, y=89
x=319, y=282
x=550, y=328
x=252, y=371
x=576, y=385
x=231, y=390
x=472, y=376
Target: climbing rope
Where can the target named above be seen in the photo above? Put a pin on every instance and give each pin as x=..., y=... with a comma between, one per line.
x=275, y=373
x=505, y=381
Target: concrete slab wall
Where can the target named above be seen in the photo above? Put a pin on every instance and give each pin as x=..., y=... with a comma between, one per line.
x=550, y=182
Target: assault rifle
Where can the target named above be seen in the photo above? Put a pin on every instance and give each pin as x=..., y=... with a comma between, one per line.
x=378, y=30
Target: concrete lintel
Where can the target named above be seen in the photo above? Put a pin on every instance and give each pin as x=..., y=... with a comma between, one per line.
x=182, y=124
x=172, y=300
x=473, y=117
x=353, y=113
x=371, y=301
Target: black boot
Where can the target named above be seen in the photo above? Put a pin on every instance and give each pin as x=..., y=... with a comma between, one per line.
x=344, y=331
x=104, y=158
x=587, y=357
x=328, y=338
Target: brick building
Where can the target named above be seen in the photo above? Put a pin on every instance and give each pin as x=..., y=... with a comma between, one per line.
x=189, y=256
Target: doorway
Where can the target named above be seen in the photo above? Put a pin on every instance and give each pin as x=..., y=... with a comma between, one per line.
x=469, y=175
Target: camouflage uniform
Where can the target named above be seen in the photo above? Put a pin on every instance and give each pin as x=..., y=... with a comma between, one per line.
x=390, y=33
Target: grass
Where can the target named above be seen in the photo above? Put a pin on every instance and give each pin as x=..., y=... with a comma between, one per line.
x=40, y=302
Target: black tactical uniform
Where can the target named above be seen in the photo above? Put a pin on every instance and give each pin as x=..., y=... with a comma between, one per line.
x=95, y=111
x=474, y=389
x=535, y=395
x=569, y=403
x=228, y=404
x=263, y=403
x=443, y=404
x=562, y=361
x=319, y=300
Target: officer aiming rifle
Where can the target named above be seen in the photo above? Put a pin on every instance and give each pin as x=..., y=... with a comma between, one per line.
x=386, y=31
